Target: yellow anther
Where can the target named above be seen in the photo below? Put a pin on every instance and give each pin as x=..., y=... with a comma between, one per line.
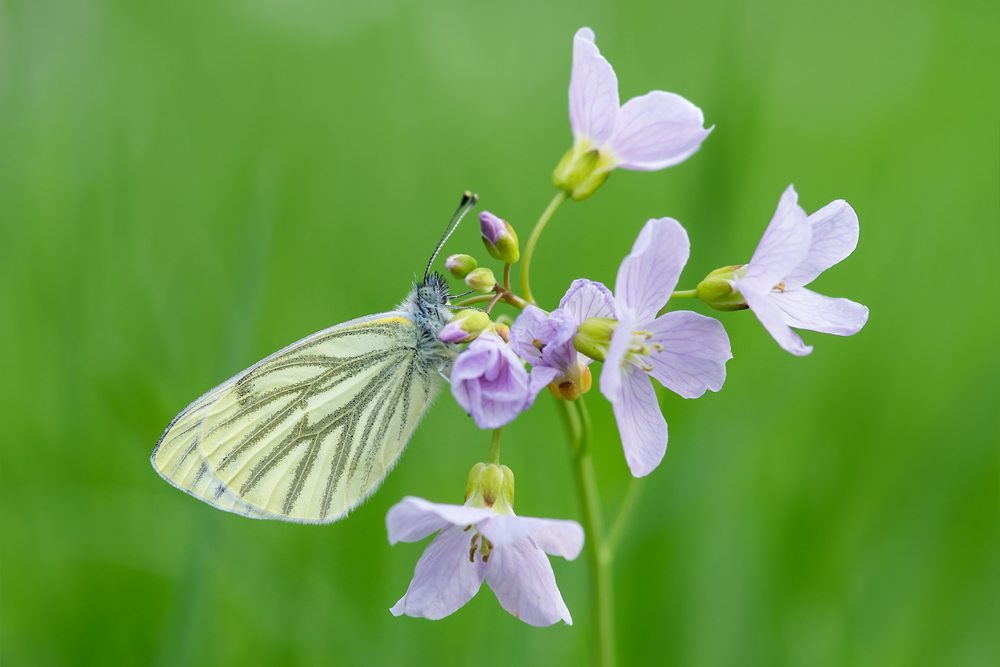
x=780, y=287
x=472, y=549
x=646, y=368
x=657, y=347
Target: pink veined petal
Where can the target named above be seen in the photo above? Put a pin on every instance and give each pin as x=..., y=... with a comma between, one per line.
x=553, y=536
x=444, y=579
x=695, y=351
x=593, y=91
x=641, y=425
x=614, y=359
x=657, y=130
x=775, y=323
x=783, y=246
x=649, y=273
x=522, y=579
x=587, y=298
x=559, y=351
x=531, y=324
x=413, y=519
x=835, y=232
x=805, y=309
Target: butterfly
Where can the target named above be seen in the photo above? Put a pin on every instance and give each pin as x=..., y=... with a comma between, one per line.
x=311, y=431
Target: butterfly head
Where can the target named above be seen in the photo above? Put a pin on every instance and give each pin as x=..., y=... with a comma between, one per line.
x=434, y=290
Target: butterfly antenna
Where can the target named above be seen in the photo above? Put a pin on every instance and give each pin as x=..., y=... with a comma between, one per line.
x=468, y=201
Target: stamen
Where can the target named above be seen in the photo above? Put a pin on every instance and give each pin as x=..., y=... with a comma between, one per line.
x=657, y=347
x=780, y=287
x=645, y=367
x=466, y=529
x=472, y=550
x=538, y=344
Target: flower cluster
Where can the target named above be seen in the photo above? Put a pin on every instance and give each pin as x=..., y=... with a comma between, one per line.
x=633, y=332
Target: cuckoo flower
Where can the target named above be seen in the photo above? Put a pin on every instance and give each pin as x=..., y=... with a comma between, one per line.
x=491, y=384
x=794, y=250
x=685, y=352
x=647, y=133
x=547, y=341
x=476, y=544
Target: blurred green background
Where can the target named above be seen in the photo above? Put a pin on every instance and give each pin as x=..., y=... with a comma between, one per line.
x=187, y=186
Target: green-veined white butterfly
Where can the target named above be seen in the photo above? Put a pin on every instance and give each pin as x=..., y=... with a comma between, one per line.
x=309, y=432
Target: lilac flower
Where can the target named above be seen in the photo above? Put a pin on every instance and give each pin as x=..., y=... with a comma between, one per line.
x=794, y=250
x=547, y=341
x=491, y=384
x=685, y=352
x=647, y=133
x=476, y=544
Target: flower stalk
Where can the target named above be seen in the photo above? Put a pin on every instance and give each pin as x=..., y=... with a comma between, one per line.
x=529, y=249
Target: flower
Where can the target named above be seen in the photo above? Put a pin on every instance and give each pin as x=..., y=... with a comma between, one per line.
x=464, y=326
x=685, y=352
x=491, y=384
x=793, y=251
x=547, y=341
x=476, y=544
x=647, y=133
x=499, y=238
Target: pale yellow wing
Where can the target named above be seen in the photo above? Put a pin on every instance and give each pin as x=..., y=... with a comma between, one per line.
x=308, y=433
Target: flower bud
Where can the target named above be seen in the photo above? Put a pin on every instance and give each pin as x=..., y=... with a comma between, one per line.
x=460, y=265
x=464, y=326
x=580, y=172
x=499, y=238
x=482, y=280
x=593, y=337
x=491, y=485
x=718, y=289
x=570, y=390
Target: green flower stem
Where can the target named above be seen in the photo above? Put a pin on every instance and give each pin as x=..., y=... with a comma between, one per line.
x=533, y=239
x=624, y=515
x=506, y=277
x=495, y=448
x=685, y=294
x=506, y=297
x=599, y=558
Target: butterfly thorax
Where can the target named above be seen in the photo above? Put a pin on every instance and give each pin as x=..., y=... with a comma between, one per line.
x=427, y=308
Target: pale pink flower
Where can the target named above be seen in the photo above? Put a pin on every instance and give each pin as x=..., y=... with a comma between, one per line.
x=685, y=352
x=476, y=544
x=794, y=250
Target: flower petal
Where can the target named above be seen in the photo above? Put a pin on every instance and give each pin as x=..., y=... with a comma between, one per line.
x=538, y=379
x=805, y=309
x=587, y=298
x=783, y=246
x=835, y=232
x=522, y=579
x=444, y=579
x=649, y=273
x=553, y=536
x=614, y=360
x=695, y=351
x=559, y=351
x=490, y=382
x=773, y=319
x=531, y=325
x=641, y=425
x=413, y=519
x=593, y=91
x=657, y=130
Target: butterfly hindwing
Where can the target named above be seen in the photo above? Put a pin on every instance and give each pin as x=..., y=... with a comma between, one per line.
x=308, y=433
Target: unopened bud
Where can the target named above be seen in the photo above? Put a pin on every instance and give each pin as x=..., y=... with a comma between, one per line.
x=581, y=171
x=460, y=265
x=482, y=280
x=718, y=289
x=464, y=326
x=593, y=337
x=499, y=238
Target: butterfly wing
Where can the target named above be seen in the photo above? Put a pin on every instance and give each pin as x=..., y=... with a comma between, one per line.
x=308, y=433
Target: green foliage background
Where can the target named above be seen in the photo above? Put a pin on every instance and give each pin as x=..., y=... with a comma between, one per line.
x=188, y=186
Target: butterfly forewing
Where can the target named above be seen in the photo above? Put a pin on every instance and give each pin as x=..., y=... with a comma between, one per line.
x=307, y=433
